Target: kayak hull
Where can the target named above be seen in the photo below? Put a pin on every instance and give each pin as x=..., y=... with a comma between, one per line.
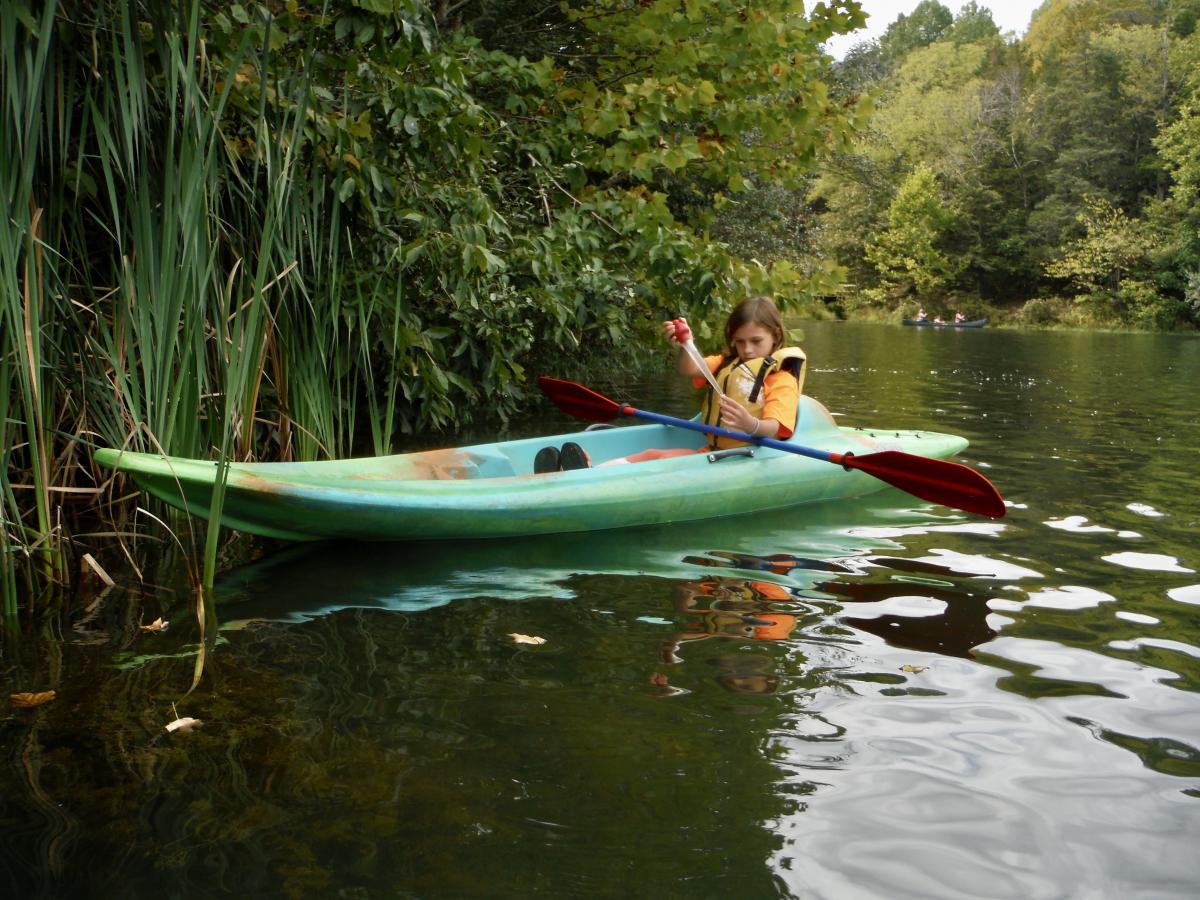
x=489, y=490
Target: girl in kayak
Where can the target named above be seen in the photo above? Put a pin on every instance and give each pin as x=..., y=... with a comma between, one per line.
x=755, y=385
x=756, y=379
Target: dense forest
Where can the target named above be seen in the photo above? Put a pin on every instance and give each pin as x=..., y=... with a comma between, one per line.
x=1061, y=169
x=291, y=229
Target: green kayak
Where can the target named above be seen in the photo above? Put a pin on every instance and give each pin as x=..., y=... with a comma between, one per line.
x=489, y=490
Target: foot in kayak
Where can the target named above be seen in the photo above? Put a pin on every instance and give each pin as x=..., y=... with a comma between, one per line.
x=546, y=461
x=572, y=456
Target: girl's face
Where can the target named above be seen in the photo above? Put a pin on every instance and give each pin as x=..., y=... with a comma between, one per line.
x=752, y=341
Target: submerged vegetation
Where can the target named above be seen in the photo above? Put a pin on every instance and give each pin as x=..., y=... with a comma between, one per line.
x=287, y=230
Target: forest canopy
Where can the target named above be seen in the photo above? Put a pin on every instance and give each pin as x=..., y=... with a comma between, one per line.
x=1061, y=166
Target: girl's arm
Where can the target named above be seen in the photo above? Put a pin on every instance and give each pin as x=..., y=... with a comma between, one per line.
x=780, y=404
x=737, y=418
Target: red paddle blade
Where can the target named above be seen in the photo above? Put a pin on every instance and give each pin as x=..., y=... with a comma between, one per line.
x=936, y=480
x=576, y=400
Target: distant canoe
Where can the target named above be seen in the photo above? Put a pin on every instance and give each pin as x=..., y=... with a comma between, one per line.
x=974, y=323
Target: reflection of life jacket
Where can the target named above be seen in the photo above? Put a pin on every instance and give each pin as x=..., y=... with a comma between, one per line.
x=743, y=382
x=781, y=626
x=736, y=589
x=755, y=625
x=735, y=610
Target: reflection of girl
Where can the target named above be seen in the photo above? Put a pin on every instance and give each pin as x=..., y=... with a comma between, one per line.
x=734, y=609
x=731, y=608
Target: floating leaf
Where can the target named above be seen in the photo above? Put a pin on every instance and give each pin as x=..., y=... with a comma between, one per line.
x=909, y=667
x=187, y=723
x=157, y=625
x=527, y=639
x=27, y=699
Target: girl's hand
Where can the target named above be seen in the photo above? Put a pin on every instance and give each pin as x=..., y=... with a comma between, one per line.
x=677, y=330
x=736, y=417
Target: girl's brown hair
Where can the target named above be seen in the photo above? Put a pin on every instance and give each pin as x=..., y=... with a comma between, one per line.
x=758, y=311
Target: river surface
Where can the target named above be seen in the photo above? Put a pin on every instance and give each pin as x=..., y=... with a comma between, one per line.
x=871, y=699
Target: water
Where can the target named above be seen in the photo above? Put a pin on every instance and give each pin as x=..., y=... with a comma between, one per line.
x=869, y=699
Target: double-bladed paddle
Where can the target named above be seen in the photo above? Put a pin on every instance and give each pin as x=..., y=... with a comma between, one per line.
x=936, y=480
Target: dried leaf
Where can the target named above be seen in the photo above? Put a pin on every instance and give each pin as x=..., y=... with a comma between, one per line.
x=187, y=723
x=157, y=625
x=527, y=639
x=909, y=667
x=26, y=700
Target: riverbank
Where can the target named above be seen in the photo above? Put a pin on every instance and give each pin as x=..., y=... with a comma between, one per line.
x=1050, y=313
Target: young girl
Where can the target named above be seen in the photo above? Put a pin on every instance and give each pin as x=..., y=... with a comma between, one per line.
x=760, y=378
x=760, y=383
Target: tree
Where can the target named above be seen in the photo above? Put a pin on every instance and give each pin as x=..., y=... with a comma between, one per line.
x=973, y=23
x=928, y=22
x=1059, y=28
x=1113, y=245
x=909, y=254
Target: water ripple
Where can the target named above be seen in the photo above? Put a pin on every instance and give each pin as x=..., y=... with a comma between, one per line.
x=1187, y=594
x=1156, y=562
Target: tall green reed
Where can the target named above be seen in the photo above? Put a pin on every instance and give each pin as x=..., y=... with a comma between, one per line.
x=28, y=288
x=176, y=273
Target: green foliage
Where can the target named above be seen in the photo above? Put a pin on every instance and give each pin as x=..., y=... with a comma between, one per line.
x=973, y=23
x=1096, y=102
x=1140, y=302
x=1040, y=311
x=909, y=254
x=1060, y=29
x=1191, y=295
x=1177, y=144
x=271, y=229
x=1098, y=263
x=929, y=21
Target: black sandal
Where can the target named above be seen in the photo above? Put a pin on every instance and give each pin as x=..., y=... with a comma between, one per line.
x=546, y=461
x=572, y=456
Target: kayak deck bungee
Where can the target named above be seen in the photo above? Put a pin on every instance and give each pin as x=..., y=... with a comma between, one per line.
x=489, y=490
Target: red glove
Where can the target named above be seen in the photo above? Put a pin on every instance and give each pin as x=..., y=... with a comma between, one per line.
x=678, y=330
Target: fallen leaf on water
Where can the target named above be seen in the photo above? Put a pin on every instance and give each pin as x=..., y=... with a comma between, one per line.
x=27, y=699
x=659, y=679
x=157, y=625
x=909, y=667
x=187, y=723
x=526, y=639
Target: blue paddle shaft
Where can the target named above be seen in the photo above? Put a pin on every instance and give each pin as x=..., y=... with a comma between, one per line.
x=736, y=435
